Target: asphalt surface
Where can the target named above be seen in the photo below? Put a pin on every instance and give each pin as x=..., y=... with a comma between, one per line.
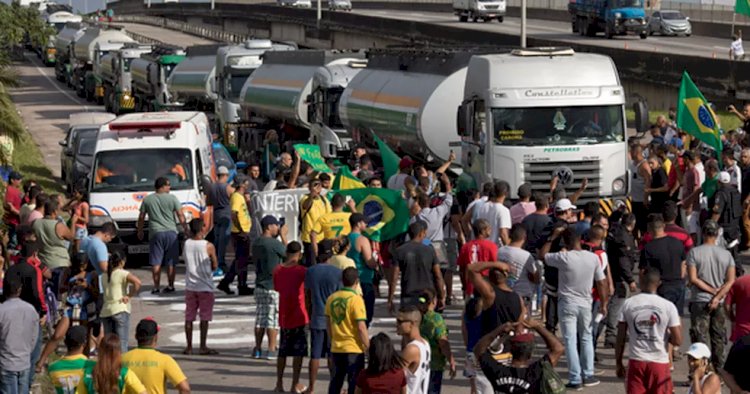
x=45, y=104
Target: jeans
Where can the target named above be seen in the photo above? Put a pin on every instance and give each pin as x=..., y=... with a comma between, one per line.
x=35, y=354
x=222, y=231
x=622, y=292
x=576, y=318
x=57, y=275
x=551, y=314
x=118, y=324
x=346, y=366
x=368, y=293
x=238, y=268
x=15, y=382
x=436, y=382
x=596, y=328
x=709, y=327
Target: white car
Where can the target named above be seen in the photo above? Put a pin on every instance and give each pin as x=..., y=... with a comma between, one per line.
x=295, y=3
x=668, y=23
x=345, y=5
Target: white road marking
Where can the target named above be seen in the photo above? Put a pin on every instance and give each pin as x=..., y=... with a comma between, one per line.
x=56, y=85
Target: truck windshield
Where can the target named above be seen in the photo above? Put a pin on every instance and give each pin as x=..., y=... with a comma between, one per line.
x=59, y=26
x=558, y=125
x=135, y=170
x=235, y=86
x=628, y=3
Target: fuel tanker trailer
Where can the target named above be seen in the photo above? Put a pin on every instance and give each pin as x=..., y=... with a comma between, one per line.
x=191, y=83
x=149, y=75
x=275, y=96
x=87, y=51
x=113, y=70
x=408, y=98
x=64, y=50
x=57, y=20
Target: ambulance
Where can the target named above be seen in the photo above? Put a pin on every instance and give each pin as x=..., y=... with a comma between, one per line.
x=134, y=150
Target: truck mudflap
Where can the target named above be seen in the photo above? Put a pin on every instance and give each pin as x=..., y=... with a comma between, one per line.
x=609, y=205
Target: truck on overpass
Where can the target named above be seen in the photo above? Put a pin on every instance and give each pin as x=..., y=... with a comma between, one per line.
x=612, y=17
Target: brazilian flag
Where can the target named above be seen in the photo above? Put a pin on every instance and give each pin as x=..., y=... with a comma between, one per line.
x=346, y=180
x=742, y=7
x=695, y=116
x=386, y=211
x=389, y=157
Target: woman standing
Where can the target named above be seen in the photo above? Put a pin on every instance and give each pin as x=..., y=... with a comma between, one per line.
x=107, y=375
x=385, y=372
x=115, y=312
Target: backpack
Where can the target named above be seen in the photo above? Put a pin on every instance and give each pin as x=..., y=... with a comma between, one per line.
x=551, y=381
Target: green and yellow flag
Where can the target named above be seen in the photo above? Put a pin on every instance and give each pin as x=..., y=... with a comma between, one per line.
x=389, y=157
x=742, y=7
x=345, y=180
x=695, y=116
x=386, y=212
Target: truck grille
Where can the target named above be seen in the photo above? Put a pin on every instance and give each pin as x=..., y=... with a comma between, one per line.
x=491, y=7
x=539, y=176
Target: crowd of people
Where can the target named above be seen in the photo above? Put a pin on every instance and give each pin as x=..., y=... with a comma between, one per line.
x=526, y=268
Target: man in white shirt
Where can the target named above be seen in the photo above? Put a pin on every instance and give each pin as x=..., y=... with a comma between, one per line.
x=646, y=319
x=736, y=50
x=731, y=167
x=396, y=181
x=497, y=214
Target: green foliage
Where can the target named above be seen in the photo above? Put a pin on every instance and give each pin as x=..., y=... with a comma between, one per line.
x=22, y=25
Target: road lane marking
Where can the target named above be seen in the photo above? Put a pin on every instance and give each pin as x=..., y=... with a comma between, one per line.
x=56, y=85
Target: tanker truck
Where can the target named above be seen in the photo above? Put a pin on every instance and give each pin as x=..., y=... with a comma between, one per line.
x=234, y=64
x=150, y=73
x=275, y=95
x=530, y=115
x=57, y=20
x=191, y=83
x=87, y=52
x=408, y=99
x=114, y=73
x=64, y=42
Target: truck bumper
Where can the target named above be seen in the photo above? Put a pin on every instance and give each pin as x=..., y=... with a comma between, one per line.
x=629, y=27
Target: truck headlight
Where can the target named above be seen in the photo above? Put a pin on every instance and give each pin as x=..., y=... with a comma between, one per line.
x=618, y=185
x=126, y=96
x=618, y=15
x=99, y=220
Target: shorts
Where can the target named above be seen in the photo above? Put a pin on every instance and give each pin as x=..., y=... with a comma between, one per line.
x=319, y=344
x=266, y=309
x=202, y=301
x=470, y=369
x=451, y=252
x=440, y=252
x=293, y=342
x=164, y=249
x=648, y=378
x=81, y=233
x=673, y=292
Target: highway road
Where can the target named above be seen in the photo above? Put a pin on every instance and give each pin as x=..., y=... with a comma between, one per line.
x=561, y=31
x=166, y=36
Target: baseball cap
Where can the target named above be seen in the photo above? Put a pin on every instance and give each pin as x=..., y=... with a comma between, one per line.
x=15, y=175
x=676, y=142
x=563, y=205
x=146, y=328
x=76, y=337
x=269, y=220
x=724, y=177
x=406, y=162
x=699, y=351
x=222, y=171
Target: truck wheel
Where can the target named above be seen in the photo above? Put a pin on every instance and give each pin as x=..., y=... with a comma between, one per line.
x=463, y=18
x=608, y=32
x=643, y=35
x=500, y=19
x=590, y=30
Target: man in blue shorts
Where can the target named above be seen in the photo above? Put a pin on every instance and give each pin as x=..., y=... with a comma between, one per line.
x=161, y=208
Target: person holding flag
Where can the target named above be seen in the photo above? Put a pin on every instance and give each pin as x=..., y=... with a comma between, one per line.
x=695, y=116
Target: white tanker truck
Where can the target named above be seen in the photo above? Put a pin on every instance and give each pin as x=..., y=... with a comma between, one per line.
x=149, y=75
x=113, y=70
x=87, y=51
x=191, y=83
x=64, y=42
x=58, y=21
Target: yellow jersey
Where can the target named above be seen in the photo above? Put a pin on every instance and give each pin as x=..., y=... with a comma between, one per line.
x=345, y=309
x=333, y=225
x=318, y=208
x=153, y=368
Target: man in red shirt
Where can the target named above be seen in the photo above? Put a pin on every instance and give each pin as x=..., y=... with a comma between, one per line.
x=480, y=249
x=672, y=229
x=737, y=304
x=289, y=282
x=12, y=206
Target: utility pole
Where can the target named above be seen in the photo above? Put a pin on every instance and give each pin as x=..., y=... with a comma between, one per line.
x=213, y=4
x=523, y=23
x=320, y=14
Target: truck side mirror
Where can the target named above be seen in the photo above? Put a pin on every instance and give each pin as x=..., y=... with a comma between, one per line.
x=641, y=116
x=464, y=119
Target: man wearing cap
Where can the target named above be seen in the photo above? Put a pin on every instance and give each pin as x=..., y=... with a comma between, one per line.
x=218, y=198
x=153, y=367
x=12, y=206
x=711, y=270
x=66, y=372
x=397, y=181
x=312, y=207
x=268, y=252
x=646, y=319
x=522, y=375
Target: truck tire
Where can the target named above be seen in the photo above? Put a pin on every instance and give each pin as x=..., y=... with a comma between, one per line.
x=463, y=18
x=608, y=32
x=590, y=29
x=474, y=19
x=643, y=35
x=500, y=19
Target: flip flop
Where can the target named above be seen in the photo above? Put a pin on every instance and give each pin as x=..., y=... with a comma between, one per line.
x=209, y=352
x=187, y=352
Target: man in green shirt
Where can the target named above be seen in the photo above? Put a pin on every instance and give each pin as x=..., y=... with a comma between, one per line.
x=66, y=372
x=161, y=208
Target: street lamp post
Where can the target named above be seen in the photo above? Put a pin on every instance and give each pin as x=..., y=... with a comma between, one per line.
x=523, y=23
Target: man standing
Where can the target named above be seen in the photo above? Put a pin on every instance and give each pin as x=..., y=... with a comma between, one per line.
x=17, y=338
x=241, y=224
x=727, y=212
x=312, y=206
x=671, y=229
x=200, y=262
x=53, y=238
x=641, y=173
x=333, y=224
x=256, y=182
x=418, y=268
x=577, y=270
x=218, y=197
x=66, y=372
x=736, y=50
x=347, y=327
x=524, y=207
x=667, y=255
x=711, y=272
x=268, y=252
x=731, y=167
x=494, y=212
x=738, y=307
x=416, y=353
x=12, y=206
x=289, y=282
x=433, y=218
x=480, y=249
x=162, y=208
x=361, y=252
x=622, y=255
x=658, y=190
x=153, y=367
x=523, y=274
x=397, y=181
x=647, y=320
x=321, y=280
x=95, y=247
x=691, y=181
x=536, y=222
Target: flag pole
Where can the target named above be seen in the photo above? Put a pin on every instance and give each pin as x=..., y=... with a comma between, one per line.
x=734, y=19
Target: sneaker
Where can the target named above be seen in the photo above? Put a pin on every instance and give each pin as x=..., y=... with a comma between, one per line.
x=257, y=353
x=155, y=291
x=574, y=386
x=218, y=273
x=225, y=288
x=272, y=355
x=169, y=289
x=591, y=382
x=245, y=291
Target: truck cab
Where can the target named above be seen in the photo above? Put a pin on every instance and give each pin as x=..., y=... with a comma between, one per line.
x=134, y=150
x=114, y=72
x=531, y=115
x=612, y=17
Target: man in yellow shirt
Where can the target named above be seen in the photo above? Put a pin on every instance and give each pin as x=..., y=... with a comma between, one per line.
x=312, y=206
x=67, y=372
x=152, y=367
x=345, y=310
x=333, y=224
x=241, y=225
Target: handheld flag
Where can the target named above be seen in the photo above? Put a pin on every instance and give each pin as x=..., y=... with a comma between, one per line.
x=390, y=159
x=346, y=180
x=695, y=116
x=386, y=212
x=742, y=7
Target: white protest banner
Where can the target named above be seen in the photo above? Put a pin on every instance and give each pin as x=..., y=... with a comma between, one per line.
x=283, y=204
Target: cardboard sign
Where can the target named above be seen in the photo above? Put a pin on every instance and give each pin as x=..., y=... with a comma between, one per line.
x=281, y=204
x=311, y=154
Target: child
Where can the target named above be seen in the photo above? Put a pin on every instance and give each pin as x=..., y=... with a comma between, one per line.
x=434, y=330
x=115, y=312
x=200, y=263
x=78, y=206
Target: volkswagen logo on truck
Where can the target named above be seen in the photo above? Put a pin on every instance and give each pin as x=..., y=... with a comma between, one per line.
x=564, y=175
